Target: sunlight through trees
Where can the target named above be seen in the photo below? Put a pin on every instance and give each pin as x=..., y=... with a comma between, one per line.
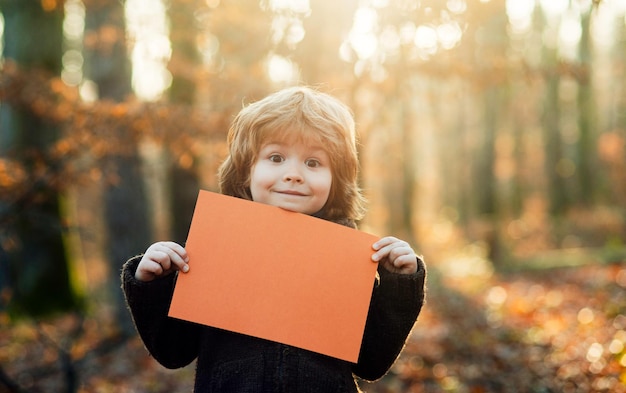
x=491, y=134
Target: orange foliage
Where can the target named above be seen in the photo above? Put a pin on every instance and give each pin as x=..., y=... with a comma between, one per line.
x=93, y=131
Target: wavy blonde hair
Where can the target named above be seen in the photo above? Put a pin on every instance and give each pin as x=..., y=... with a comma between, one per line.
x=297, y=114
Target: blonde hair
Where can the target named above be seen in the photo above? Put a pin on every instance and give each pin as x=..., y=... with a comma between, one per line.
x=304, y=114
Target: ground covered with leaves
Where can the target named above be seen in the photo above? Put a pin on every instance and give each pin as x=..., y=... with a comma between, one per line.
x=538, y=330
x=555, y=330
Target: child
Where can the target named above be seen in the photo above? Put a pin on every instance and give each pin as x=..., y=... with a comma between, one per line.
x=295, y=149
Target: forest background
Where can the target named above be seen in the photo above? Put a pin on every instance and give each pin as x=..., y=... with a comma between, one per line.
x=492, y=135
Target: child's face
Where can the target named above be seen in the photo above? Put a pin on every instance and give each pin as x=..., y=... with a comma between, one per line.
x=293, y=176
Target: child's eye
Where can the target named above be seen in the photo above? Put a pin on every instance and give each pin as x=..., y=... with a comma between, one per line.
x=277, y=158
x=313, y=163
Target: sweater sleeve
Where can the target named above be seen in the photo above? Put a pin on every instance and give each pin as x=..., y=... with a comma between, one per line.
x=396, y=302
x=172, y=342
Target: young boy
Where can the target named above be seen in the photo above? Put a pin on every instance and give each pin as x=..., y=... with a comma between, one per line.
x=295, y=149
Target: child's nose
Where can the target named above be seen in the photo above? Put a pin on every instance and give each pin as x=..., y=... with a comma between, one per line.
x=292, y=174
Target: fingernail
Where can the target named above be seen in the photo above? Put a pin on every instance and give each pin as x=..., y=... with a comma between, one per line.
x=375, y=257
x=185, y=268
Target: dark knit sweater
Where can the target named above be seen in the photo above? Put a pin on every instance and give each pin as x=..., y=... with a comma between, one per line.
x=232, y=362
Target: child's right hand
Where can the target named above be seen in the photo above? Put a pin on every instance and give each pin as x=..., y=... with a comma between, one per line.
x=161, y=259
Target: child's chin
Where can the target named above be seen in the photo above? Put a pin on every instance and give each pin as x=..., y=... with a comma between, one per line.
x=294, y=209
x=291, y=209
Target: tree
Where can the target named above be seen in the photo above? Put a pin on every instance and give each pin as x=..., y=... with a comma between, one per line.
x=489, y=55
x=125, y=203
x=586, y=113
x=325, y=28
x=183, y=178
x=551, y=118
x=32, y=245
x=238, y=68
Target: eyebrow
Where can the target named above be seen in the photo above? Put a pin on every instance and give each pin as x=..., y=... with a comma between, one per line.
x=283, y=144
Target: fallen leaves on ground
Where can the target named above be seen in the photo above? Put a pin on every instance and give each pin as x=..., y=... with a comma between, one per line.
x=555, y=330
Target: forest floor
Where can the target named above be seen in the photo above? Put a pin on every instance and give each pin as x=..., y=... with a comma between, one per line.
x=559, y=329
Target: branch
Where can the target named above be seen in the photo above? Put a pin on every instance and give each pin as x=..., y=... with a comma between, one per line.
x=49, y=98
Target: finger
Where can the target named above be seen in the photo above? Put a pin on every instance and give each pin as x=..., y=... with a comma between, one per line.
x=385, y=241
x=152, y=256
x=148, y=270
x=172, y=256
x=391, y=250
x=157, y=267
x=406, y=263
x=399, y=251
x=381, y=248
x=178, y=249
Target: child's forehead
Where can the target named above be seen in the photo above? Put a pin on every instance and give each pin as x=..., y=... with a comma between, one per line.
x=306, y=136
x=309, y=144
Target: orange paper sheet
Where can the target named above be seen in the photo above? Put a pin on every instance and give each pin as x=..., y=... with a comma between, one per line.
x=282, y=276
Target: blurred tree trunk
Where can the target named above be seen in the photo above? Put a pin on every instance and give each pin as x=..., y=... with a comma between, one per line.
x=400, y=165
x=408, y=129
x=485, y=180
x=619, y=58
x=618, y=119
x=238, y=73
x=325, y=29
x=125, y=204
x=491, y=55
x=586, y=115
x=32, y=249
x=395, y=188
x=461, y=154
x=183, y=177
x=552, y=142
x=518, y=188
x=464, y=159
x=619, y=122
x=551, y=119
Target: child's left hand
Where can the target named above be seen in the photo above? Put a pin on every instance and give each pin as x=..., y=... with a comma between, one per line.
x=395, y=255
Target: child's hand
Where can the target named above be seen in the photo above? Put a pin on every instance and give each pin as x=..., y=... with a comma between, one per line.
x=161, y=259
x=395, y=255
